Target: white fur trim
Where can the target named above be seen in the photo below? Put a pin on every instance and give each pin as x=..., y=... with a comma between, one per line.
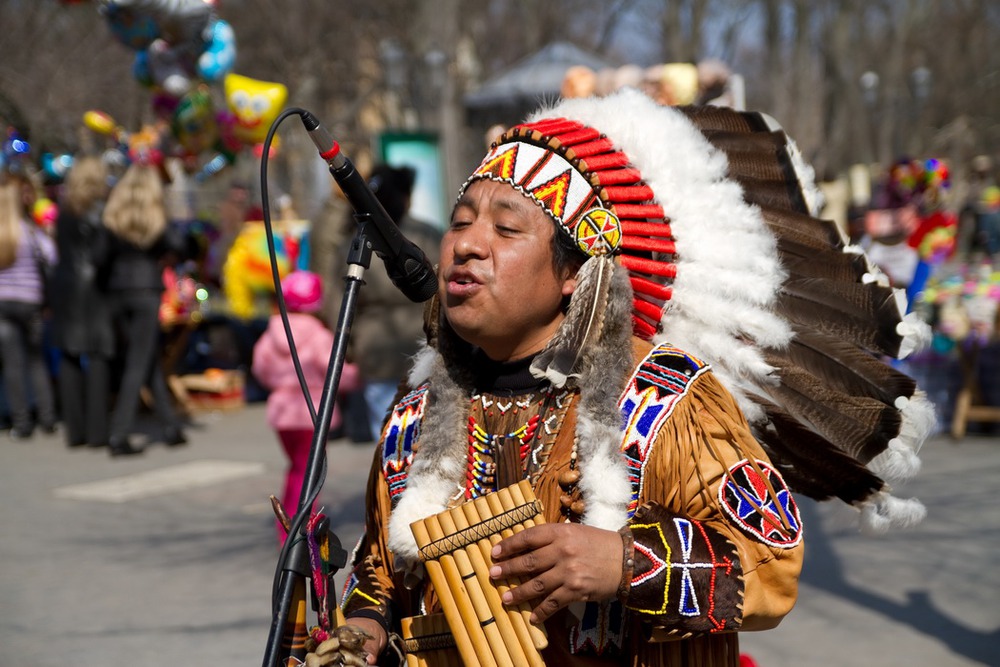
x=603, y=477
x=418, y=501
x=423, y=363
x=899, y=461
x=916, y=335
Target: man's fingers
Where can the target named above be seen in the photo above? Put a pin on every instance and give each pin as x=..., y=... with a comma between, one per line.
x=526, y=540
x=527, y=565
x=508, y=546
x=532, y=589
x=549, y=606
x=545, y=588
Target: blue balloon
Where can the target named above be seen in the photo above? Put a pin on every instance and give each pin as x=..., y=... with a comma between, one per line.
x=141, y=69
x=133, y=29
x=56, y=166
x=220, y=54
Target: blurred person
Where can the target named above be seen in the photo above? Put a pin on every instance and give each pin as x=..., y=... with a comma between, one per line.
x=388, y=326
x=983, y=209
x=287, y=410
x=24, y=251
x=81, y=312
x=578, y=81
x=141, y=239
x=234, y=210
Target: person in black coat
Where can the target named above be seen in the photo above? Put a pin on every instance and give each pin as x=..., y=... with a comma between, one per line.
x=141, y=240
x=81, y=317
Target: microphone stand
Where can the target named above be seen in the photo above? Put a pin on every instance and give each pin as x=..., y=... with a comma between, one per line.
x=287, y=636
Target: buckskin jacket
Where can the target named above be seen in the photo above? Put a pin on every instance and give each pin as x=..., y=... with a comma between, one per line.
x=718, y=537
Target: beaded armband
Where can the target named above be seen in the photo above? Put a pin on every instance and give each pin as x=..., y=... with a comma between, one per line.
x=684, y=571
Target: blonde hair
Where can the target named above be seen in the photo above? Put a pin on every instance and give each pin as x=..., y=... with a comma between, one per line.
x=135, y=210
x=11, y=216
x=86, y=183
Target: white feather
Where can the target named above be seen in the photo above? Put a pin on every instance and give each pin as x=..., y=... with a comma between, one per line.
x=884, y=511
x=728, y=270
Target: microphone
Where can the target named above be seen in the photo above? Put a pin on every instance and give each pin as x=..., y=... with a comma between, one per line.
x=407, y=265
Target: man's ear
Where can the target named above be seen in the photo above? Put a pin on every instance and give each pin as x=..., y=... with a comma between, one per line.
x=569, y=285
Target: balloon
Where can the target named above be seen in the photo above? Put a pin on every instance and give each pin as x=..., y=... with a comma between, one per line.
x=247, y=269
x=193, y=123
x=132, y=28
x=144, y=146
x=136, y=23
x=220, y=55
x=229, y=143
x=100, y=122
x=166, y=69
x=141, y=70
x=164, y=105
x=55, y=167
x=44, y=212
x=255, y=104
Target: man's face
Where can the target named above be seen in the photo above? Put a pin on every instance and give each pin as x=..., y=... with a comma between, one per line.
x=498, y=286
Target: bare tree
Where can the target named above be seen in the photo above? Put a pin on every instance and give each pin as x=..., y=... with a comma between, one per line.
x=935, y=63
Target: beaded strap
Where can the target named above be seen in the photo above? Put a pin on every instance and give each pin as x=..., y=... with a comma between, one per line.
x=478, y=531
x=628, y=562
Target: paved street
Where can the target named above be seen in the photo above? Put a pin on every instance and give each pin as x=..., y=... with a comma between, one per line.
x=167, y=559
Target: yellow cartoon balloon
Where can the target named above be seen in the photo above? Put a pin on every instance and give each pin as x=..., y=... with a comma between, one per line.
x=254, y=104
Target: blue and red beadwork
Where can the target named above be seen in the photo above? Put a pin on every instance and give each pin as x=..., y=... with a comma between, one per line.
x=398, y=438
x=746, y=498
x=660, y=381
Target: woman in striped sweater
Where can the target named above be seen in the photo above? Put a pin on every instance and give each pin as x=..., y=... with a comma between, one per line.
x=23, y=246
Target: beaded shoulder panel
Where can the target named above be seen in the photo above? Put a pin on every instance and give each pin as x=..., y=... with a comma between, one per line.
x=656, y=386
x=398, y=437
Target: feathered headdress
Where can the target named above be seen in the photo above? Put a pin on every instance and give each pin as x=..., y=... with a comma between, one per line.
x=701, y=222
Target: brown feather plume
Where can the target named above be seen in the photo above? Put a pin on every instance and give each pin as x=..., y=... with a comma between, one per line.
x=866, y=315
x=846, y=368
x=811, y=464
x=803, y=229
x=803, y=261
x=833, y=407
x=859, y=426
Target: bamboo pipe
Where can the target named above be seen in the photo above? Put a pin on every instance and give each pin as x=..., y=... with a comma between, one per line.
x=469, y=600
x=473, y=512
x=481, y=567
x=486, y=614
x=499, y=502
x=468, y=647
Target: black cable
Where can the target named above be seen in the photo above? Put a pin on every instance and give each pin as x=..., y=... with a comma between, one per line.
x=300, y=517
x=272, y=254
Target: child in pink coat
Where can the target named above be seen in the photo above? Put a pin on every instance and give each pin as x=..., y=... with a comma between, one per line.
x=287, y=411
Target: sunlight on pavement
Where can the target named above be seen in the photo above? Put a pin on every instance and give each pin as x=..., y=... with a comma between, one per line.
x=172, y=479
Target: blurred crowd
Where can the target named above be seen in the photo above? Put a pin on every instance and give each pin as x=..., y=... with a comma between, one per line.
x=81, y=283
x=112, y=309
x=938, y=239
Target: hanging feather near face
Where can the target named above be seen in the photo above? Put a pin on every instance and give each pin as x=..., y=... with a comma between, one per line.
x=559, y=361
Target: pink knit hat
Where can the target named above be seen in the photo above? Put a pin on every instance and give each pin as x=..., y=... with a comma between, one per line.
x=303, y=291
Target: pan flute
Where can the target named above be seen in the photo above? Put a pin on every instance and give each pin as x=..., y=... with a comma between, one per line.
x=455, y=547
